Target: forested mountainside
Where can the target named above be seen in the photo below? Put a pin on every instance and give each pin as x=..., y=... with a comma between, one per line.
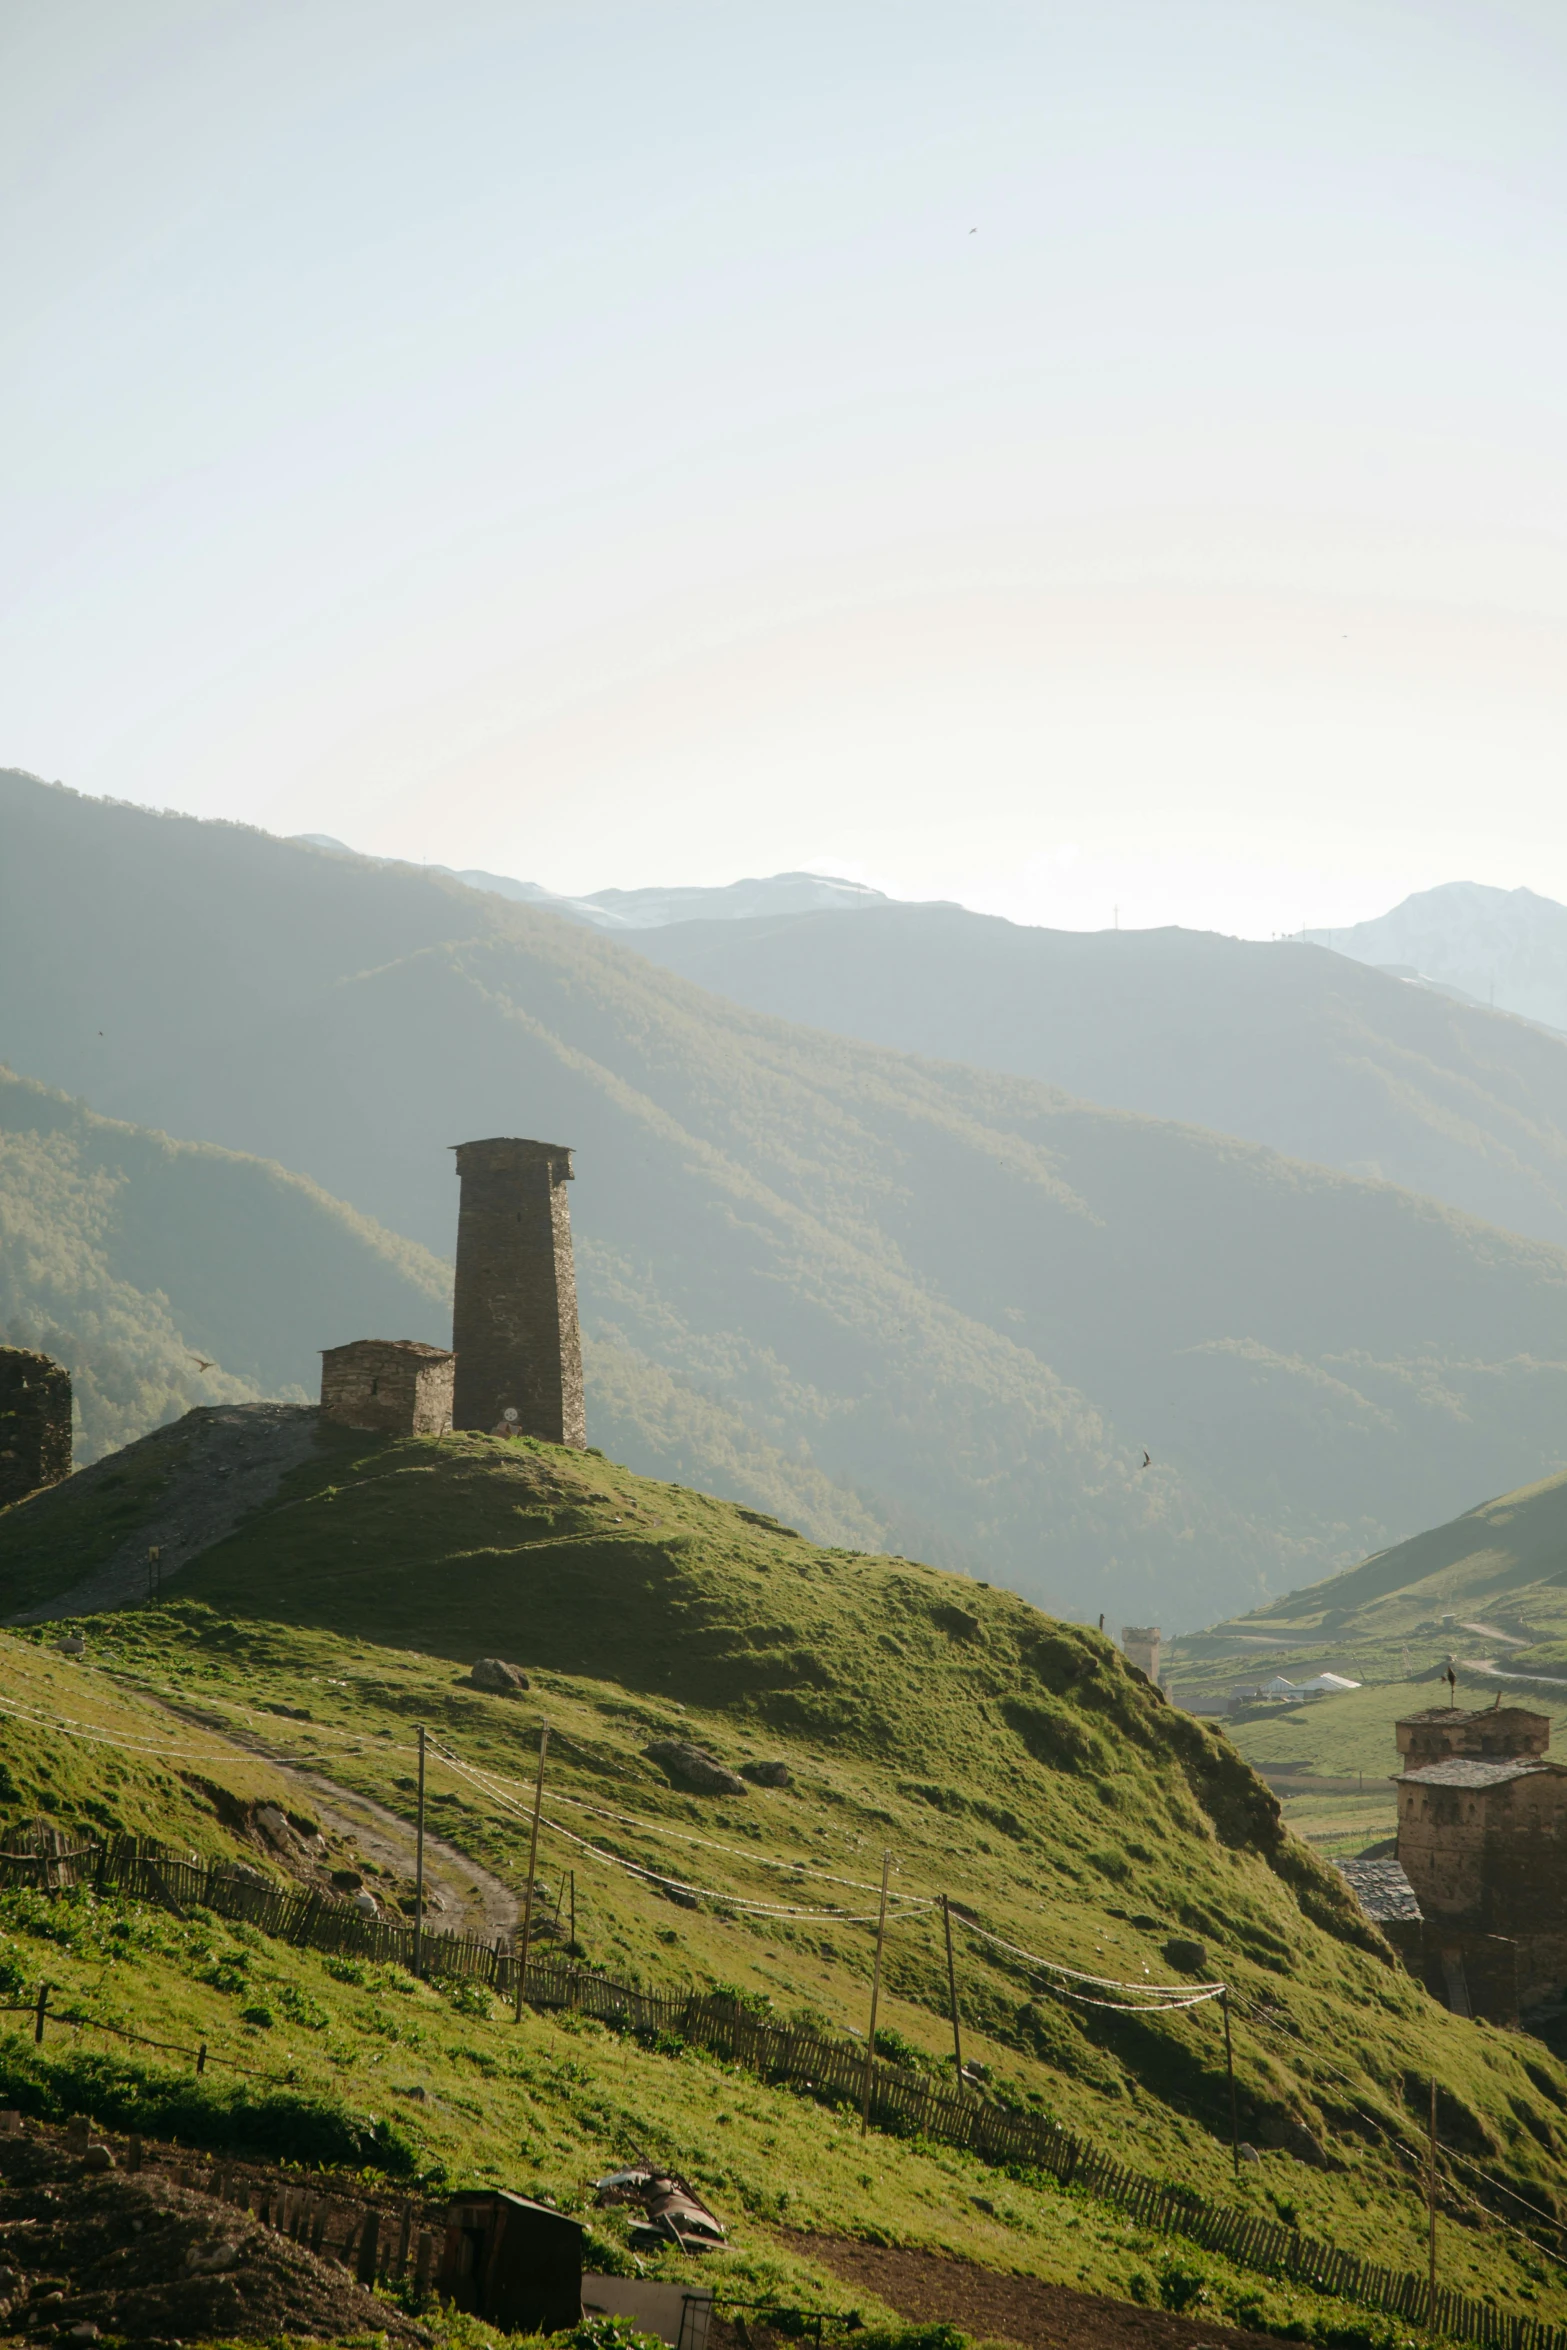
x=1285, y=1043
x=968, y=1298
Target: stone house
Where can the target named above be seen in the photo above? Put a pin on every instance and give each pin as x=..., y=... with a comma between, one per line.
x=1482, y=1843
x=396, y=1386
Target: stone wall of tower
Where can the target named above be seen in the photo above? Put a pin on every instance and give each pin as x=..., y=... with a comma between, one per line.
x=1140, y=1647
x=35, y=1423
x=514, y=1319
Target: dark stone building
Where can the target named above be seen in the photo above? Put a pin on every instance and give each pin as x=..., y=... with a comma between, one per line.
x=1482, y=1848
x=35, y=1423
x=397, y=1385
x=514, y=1321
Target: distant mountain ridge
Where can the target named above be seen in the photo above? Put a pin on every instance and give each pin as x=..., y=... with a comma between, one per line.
x=651, y=909
x=1503, y=947
x=964, y=1303
x=1282, y=1044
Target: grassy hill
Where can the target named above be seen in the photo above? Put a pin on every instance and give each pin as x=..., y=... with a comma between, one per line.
x=1284, y=1044
x=1505, y=1561
x=1011, y=1760
x=938, y=1308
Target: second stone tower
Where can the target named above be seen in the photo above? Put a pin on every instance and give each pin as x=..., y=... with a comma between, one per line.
x=514, y=1321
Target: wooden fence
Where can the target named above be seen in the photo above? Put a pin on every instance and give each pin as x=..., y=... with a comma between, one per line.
x=906, y=2102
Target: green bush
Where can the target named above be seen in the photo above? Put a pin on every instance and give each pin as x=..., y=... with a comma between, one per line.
x=275, y=2124
x=605, y=2333
x=1182, y=2285
x=469, y=1998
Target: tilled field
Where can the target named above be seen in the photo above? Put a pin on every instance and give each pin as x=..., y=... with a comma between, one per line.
x=927, y=2288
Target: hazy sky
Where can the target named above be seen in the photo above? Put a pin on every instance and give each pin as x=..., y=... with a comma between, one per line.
x=1055, y=456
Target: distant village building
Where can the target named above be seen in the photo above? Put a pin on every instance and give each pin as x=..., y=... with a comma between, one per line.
x=514, y=1317
x=35, y=1423
x=396, y=1386
x=1140, y=1647
x=1482, y=1848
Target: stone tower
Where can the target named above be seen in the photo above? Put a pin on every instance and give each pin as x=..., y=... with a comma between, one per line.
x=35, y=1423
x=514, y=1320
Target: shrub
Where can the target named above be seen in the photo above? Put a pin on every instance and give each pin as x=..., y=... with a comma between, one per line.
x=275, y=2124
x=1182, y=2285
x=605, y=2333
x=469, y=1998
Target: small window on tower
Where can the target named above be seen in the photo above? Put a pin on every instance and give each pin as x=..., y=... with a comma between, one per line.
x=375, y=1387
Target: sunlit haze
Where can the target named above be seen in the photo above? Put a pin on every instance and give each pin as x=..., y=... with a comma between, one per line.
x=1094, y=463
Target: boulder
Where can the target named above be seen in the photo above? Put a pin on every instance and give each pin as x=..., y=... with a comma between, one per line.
x=496, y=1675
x=767, y=1774
x=693, y=1768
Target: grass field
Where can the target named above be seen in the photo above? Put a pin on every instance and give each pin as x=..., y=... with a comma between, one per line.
x=1009, y=1760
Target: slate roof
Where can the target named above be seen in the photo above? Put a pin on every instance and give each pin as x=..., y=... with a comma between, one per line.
x=1382, y=1890
x=1461, y=1770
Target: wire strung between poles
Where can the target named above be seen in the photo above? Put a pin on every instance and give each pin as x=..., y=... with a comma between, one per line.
x=1153, y=1999
x=908, y=1903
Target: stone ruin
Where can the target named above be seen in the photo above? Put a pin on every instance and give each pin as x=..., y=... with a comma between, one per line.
x=396, y=1386
x=35, y=1423
x=1140, y=1647
x=515, y=1365
x=1476, y=1899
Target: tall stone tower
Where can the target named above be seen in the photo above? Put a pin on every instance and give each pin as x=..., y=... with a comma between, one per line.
x=514, y=1322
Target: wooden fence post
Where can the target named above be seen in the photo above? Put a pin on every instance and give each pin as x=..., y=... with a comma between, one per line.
x=1229, y=2067
x=1431, y=2217
x=952, y=1988
x=43, y=2009
x=870, y=2037
x=533, y=1856
x=419, y=1867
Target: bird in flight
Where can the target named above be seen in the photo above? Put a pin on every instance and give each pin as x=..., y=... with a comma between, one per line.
x=1147, y=1463
x=200, y=1361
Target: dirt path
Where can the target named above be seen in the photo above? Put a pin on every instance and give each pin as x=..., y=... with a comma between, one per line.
x=928, y=2289
x=474, y=1901
x=229, y=1459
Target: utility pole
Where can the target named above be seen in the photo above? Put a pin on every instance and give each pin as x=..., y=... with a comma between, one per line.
x=1229, y=2067
x=533, y=1855
x=870, y=2040
x=1431, y=2217
x=952, y=1989
x=419, y=1867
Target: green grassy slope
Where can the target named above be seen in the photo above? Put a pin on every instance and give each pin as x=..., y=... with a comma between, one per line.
x=1504, y=1563
x=1009, y=1759
x=967, y=1301
x=1284, y=1044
